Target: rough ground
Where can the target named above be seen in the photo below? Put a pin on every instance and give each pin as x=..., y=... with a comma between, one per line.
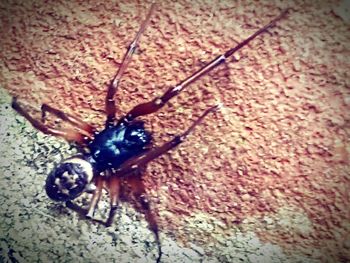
x=266, y=179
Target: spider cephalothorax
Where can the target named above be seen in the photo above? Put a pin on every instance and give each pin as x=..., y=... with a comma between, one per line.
x=116, y=144
x=121, y=151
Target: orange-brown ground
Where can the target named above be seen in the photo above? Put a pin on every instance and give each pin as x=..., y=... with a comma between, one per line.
x=276, y=158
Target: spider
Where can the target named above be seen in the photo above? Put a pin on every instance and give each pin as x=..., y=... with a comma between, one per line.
x=117, y=156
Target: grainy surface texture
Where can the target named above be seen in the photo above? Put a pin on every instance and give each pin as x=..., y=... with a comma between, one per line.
x=266, y=179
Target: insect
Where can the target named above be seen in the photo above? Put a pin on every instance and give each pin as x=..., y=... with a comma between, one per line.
x=117, y=156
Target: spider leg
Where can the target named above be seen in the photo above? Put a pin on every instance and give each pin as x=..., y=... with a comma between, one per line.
x=81, y=211
x=133, y=165
x=79, y=124
x=132, y=172
x=138, y=189
x=95, y=197
x=112, y=183
x=68, y=134
x=112, y=89
x=159, y=102
x=114, y=186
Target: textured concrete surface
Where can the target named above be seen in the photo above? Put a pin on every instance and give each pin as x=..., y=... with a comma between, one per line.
x=272, y=166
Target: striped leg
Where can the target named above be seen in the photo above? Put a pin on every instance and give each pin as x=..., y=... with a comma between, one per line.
x=110, y=103
x=158, y=102
x=68, y=134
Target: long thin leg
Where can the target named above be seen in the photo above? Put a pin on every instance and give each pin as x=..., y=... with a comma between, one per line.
x=68, y=134
x=112, y=183
x=79, y=124
x=138, y=189
x=159, y=102
x=110, y=103
x=95, y=197
x=114, y=191
x=134, y=164
x=82, y=212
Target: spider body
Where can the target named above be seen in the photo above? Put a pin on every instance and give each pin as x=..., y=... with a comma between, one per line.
x=118, y=155
x=109, y=149
x=116, y=144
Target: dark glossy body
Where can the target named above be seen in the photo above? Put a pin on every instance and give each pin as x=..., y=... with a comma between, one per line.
x=116, y=144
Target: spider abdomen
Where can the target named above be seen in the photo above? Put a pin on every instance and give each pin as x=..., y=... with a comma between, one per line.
x=116, y=144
